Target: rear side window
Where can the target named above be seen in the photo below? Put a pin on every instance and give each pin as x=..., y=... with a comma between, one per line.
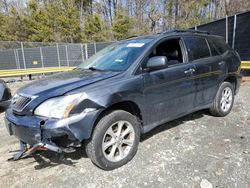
x=220, y=45
x=213, y=49
x=197, y=48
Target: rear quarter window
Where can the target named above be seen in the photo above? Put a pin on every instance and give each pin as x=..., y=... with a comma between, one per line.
x=197, y=48
x=220, y=44
x=213, y=49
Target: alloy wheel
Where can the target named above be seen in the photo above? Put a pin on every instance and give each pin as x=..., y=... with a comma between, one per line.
x=226, y=99
x=118, y=141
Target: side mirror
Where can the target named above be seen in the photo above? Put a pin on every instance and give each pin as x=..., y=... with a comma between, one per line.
x=157, y=62
x=5, y=96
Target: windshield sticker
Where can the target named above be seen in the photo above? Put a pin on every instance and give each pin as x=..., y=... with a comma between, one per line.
x=119, y=60
x=136, y=45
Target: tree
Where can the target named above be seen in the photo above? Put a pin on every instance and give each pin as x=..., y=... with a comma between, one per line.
x=4, y=34
x=38, y=23
x=121, y=26
x=17, y=27
x=69, y=22
x=93, y=28
x=57, y=21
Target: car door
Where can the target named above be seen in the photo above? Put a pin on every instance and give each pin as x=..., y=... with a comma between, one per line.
x=168, y=93
x=209, y=69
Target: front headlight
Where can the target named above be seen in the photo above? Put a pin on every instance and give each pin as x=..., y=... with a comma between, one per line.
x=58, y=107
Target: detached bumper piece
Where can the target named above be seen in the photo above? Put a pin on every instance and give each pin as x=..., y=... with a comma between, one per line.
x=32, y=137
x=61, y=136
x=25, y=151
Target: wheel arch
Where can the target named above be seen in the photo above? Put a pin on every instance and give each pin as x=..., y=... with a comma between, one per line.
x=128, y=106
x=233, y=80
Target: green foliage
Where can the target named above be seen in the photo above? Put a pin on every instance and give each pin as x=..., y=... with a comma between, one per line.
x=93, y=28
x=17, y=27
x=38, y=23
x=69, y=22
x=58, y=21
x=4, y=35
x=121, y=26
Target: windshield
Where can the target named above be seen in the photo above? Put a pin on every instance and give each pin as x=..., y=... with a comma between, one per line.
x=116, y=57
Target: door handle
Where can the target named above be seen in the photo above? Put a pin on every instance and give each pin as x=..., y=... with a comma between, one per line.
x=189, y=71
x=222, y=63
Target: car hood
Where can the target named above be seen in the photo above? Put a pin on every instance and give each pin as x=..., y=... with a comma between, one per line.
x=62, y=83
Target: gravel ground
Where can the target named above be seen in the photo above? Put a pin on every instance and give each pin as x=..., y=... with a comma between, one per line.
x=197, y=150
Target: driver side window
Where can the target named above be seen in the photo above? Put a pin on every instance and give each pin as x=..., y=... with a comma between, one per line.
x=171, y=49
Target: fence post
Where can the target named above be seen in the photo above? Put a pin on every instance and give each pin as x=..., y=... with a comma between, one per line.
x=24, y=61
x=67, y=55
x=95, y=47
x=86, y=51
x=18, y=61
x=195, y=28
x=234, y=33
x=41, y=54
x=58, y=55
x=82, y=52
x=14, y=51
x=226, y=29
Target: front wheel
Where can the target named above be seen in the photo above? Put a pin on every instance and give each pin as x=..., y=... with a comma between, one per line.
x=223, y=101
x=115, y=140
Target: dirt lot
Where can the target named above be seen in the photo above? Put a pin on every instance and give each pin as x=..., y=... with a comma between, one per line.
x=183, y=153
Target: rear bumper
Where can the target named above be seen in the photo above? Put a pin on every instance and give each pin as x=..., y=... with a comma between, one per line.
x=34, y=129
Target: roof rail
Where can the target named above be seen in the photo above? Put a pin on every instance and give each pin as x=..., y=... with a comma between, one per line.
x=186, y=30
x=132, y=36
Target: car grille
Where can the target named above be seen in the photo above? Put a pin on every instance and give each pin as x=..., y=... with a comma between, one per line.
x=19, y=102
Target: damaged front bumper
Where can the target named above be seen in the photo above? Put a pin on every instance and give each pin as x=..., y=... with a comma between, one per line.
x=35, y=130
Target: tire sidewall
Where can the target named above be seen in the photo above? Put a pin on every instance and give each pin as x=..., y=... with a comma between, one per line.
x=100, y=131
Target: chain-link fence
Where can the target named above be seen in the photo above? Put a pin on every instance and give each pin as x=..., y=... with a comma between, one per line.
x=23, y=55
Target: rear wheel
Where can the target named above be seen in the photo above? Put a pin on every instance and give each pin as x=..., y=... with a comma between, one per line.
x=224, y=100
x=115, y=140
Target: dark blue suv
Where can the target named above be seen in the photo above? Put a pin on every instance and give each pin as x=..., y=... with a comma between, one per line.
x=123, y=91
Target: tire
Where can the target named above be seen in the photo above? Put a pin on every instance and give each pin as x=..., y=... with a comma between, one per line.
x=124, y=146
x=218, y=109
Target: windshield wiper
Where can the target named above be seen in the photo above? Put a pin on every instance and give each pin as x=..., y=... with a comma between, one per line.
x=95, y=69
